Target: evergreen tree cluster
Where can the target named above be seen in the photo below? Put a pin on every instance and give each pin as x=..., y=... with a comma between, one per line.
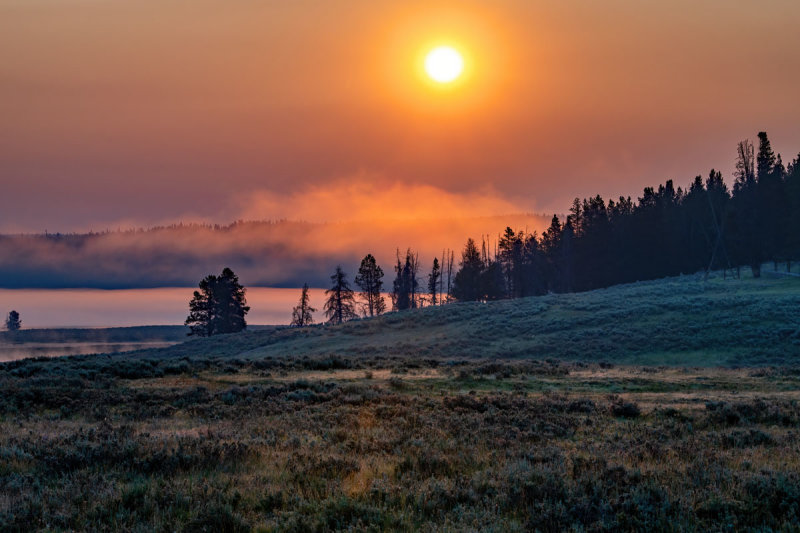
x=218, y=307
x=405, y=293
x=370, y=280
x=666, y=232
x=343, y=303
x=13, y=321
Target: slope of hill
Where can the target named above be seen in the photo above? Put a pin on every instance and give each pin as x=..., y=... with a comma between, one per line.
x=676, y=321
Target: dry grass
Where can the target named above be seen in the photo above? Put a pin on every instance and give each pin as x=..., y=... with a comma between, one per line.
x=501, y=446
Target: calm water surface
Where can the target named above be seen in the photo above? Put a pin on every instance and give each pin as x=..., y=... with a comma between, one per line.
x=58, y=308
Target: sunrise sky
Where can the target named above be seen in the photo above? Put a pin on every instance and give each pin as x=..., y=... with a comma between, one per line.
x=144, y=112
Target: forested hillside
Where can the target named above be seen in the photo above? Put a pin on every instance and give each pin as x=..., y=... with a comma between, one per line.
x=668, y=231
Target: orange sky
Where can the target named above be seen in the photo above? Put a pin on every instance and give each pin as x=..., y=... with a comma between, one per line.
x=141, y=112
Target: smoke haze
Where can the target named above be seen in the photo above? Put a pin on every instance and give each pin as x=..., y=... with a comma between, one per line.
x=311, y=232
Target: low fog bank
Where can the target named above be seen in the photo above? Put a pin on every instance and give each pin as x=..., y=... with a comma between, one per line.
x=267, y=254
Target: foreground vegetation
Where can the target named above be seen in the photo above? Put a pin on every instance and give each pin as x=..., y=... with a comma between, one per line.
x=533, y=414
x=398, y=444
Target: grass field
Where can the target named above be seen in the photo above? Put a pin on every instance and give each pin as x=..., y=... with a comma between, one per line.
x=481, y=446
x=602, y=411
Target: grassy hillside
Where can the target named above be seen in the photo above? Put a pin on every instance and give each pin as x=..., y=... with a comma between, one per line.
x=679, y=321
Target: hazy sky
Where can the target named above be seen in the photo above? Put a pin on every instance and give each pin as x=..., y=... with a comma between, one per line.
x=145, y=111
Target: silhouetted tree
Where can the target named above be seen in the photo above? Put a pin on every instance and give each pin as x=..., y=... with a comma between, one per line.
x=509, y=257
x=302, y=314
x=434, y=279
x=530, y=267
x=566, y=257
x=719, y=206
x=765, y=160
x=13, y=322
x=621, y=255
x=467, y=282
x=370, y=280
x=792, y=223
x=748, y=246
x=551, y=248
x=218, y=307
x=404, y=290
x=771, y=198
x=412, y=259
x=449, y=262
x=341, y=304
x=492, y=281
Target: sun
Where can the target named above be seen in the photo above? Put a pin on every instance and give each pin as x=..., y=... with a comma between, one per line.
x=444, y=64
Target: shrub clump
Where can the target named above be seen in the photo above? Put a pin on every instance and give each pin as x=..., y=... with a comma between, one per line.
x=621, y=408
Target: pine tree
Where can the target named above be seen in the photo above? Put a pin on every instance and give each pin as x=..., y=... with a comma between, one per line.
x=434, y=279
x=793, y=220
x=370, y=280
x=218, y=307
x=341, y=304
x=302, y=315
x=765, y=160
x=771, y=199
x=467, y=284
x=449, y=261
x=748, y=246
x=529, y=269
x=566, y=257
x=551, y=248
x=509, y=258
x=412, y=260
x=13, y=322
x=405, y=286
x=492, y=281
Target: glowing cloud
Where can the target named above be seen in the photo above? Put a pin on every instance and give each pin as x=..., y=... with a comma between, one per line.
x=370, y=198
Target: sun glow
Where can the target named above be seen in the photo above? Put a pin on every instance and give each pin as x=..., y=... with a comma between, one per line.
x=444, y=64
x=458, y=68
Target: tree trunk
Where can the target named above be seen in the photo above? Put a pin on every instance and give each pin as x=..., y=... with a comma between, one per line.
x=756, y=268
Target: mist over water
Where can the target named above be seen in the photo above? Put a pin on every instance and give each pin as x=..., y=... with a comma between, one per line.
x=95, y=308
x=263, y=254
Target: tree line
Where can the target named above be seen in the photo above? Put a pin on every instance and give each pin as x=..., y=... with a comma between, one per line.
x=665, y=232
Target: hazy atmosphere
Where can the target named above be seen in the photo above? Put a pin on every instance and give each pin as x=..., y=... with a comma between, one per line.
x=120, y=114
x=399, y=265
